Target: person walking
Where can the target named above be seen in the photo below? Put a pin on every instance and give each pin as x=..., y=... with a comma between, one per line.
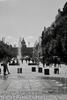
x=5, y=67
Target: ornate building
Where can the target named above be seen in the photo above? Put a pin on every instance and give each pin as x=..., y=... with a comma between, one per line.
x=26, y=51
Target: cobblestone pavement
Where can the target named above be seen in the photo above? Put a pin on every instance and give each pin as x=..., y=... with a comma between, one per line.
x=30, y=86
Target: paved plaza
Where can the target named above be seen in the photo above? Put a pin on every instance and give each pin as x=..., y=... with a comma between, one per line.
x=30, y=85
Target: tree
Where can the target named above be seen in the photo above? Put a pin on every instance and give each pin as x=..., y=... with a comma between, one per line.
x=54, y=39
x=7, y=50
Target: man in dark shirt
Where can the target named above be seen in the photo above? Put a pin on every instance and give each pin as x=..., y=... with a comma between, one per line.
x=5, y=67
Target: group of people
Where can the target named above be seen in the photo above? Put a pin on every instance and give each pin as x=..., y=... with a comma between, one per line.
x=28, y=60
x=5, y=66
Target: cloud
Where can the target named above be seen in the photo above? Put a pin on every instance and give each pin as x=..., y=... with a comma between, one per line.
x=9, y=0
x=29, y=37
x=11, y=40
x=2, y=0
x=30, y=40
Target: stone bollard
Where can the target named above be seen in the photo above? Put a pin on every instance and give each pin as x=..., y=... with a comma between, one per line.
x=19, y=70
x=40, y=70
x=0, y=70
x=33, y=69
x=46, y=71
x=56, y=70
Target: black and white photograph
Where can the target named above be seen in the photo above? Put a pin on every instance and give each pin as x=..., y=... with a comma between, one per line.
x=33, y=49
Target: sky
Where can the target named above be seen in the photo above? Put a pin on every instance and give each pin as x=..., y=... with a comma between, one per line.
x=26, y=18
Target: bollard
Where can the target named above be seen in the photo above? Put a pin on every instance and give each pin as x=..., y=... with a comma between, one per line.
x=56, y=71
x=33, y=69
x=0, y=70
x=46, y=71
x=40, y=70
x=19, y=70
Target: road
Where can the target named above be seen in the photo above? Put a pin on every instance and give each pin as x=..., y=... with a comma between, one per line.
x=30, y=86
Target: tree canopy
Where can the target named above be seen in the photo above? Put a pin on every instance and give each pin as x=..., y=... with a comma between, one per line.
x=54, y=39
x=7, y=50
